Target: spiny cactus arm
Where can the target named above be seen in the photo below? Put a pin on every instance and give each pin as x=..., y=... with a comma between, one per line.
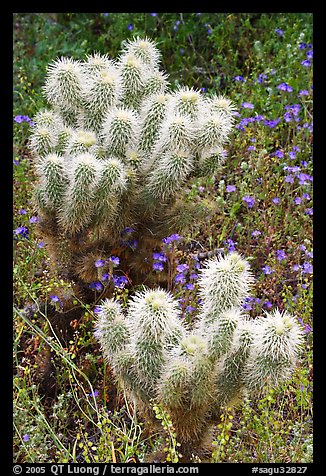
x=53, y=175
x=132, y=72
x=213, y=130
x=155, y=317
x=111, y=329
x=152, y=114
x=155, y=83
x=223, y=284
x=210, y=161
x=175, y=379
x=230, y=380
x=81, y=141
x=188, y=102
x=144, y=49
x=95, y=63
x=43, y=140
x=201, y=382
x=220, y=333
x=169, y=176
x=78, y=205
x=102, y=91
x=176, y=133
x=222, y=105
x=64, y=83
x=119, y=131
x=278, y=340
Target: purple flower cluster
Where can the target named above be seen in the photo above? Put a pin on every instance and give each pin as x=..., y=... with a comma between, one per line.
x=250, y=201
x=159, y=259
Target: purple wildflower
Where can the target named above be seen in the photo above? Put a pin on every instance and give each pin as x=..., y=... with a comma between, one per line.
x=239, y=78
x=306, y=63
x=169, y=239
x=249, y=200
x=231, y=188
x=34, y=219
x=307, y=268
x=20, y=119
x=159, y=256
x=21, y=230
x=276, y=200
x=279, y=154
x=189, y=286
x=99, y=263
x=297, y=200
x=41, y=244
x=115, y=260
x=26, y=437
x=180, y=278
x=279, y=31
x=255, y=233
x=182, y=267
x=130, y=26
x=230, y=244
x=309, y=211
x=158, y=266
x=267, y=270
x=285, y=87
x=22, y=211
x=280, y=255
x=96, y=285
x=247, y=105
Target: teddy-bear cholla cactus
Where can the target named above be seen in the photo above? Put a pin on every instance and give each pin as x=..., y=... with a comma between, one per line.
x=117, y=146
x=193, y=373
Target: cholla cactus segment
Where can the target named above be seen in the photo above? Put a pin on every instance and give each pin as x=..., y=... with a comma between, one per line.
x=112, y=178
x=111, y=329
x=48, y=118
x=213, y=130
x=223, y=105
x=220, y=334
x=80, y=142
x=152, y=115
x=43, y=140
x=103, y=89
x=144, y=49
x=189, y=102
x=169, y=175
x=230, y=380
x=132, y=72
x=155, y=314
x=96, y=63
x=176, y=133
x=53, y=175
x=119, y=131
x=210, y=161
x=64, y=83
x=156, y=83
x=224, y=283
x=78, y=206
x=175, y=379
x=278, y=339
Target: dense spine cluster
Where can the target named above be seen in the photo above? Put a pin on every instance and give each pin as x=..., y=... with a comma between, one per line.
x=122, y=110
x=193, y=373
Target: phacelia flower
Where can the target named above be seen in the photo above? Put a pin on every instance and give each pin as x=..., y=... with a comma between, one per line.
x=182, y=267
x=285, y=87
x=250, y=201
x=231, y=188
x=280, y=255
x=158, y=266
x=267, y=270
x=99, y=263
